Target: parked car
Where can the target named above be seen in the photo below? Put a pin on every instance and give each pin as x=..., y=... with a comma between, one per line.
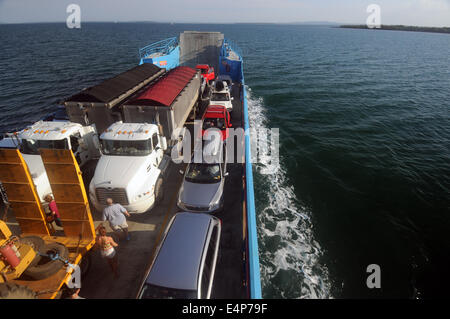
x=207, y=72
x=186, y=259
x=221, y=96
x=203, y=183
x=216, y=116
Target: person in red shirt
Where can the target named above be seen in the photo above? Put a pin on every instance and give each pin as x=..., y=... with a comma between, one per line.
x=53, y=209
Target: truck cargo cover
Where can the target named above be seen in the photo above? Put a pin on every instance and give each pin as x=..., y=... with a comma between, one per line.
x=165, y=91
x=112, y=88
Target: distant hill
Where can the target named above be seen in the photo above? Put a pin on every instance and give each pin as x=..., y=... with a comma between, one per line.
x=315, y=23
x=401, y=28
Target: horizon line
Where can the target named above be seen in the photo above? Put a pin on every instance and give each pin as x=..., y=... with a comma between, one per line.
x=317, y=23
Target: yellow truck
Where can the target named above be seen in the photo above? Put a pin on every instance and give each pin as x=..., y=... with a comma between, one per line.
x=37, y=262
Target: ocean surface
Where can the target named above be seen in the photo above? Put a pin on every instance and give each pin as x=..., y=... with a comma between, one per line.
x=364, y=170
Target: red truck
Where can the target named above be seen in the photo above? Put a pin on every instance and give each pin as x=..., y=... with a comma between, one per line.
x=217, y=116
x=207, y=72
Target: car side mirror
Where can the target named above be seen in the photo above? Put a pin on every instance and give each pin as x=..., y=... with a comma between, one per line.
x=232, y=99
x=230, y=125
x=226, y=174
x=181, y=172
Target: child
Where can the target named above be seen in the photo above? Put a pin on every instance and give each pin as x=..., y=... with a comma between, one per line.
x=53, y=209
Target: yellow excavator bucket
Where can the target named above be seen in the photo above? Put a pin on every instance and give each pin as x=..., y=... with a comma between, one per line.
x=22, y=194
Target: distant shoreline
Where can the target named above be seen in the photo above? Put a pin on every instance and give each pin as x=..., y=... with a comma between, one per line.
x=400, y=28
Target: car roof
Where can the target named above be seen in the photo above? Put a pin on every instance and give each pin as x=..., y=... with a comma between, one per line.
x=178, y=261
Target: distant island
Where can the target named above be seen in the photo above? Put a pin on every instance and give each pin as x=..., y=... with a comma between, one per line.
x=401, y=28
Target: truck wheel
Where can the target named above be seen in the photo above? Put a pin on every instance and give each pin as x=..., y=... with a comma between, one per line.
x=36, y=243
x=47, y=267
x=159, y=193
x=9, y=290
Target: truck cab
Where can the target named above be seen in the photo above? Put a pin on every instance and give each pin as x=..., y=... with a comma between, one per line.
x=207, y=72
x=131, y=167
x=54, y=135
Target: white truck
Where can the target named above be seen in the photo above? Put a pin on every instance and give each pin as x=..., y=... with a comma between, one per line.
x=131, y=168
x=56, y=135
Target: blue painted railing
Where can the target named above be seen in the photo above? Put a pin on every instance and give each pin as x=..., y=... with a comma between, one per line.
x=253, y=251
x=164, y=47
x=255, y=277
x=230, y=45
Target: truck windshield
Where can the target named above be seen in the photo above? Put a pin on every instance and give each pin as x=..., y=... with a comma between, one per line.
x=220, y=97
x=157, y=292
x=126, y=148
x=203, y=173
x=31, y=147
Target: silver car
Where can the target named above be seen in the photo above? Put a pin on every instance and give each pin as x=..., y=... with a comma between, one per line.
x=203, y=186
x=186, y=259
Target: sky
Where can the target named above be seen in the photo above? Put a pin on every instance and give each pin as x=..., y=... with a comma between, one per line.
x=406, y=12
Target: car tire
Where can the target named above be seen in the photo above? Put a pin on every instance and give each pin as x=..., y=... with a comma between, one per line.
x=9, y=290
x=47, y=267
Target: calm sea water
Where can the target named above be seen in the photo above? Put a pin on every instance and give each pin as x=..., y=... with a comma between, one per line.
x=364, y=172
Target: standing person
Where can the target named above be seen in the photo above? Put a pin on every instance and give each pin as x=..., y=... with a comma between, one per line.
x=107, y=249
x=53, y=209
x=115, y=214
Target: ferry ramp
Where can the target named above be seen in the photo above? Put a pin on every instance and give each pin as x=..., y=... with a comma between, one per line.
x=200, y=48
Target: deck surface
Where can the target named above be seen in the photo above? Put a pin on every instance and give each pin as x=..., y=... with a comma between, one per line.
x=146, y=230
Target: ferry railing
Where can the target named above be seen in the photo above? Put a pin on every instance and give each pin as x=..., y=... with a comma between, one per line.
x=253, y=251
x=164, y=47
x=228, y=46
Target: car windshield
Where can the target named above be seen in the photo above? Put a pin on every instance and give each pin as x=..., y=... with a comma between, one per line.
x=126, y=148
x=214, y=122
x=220, y=97
x=31, y=147
x=203, y=173
x=157, y=292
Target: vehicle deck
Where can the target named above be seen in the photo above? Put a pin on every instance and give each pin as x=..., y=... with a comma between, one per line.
x=146, y=231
